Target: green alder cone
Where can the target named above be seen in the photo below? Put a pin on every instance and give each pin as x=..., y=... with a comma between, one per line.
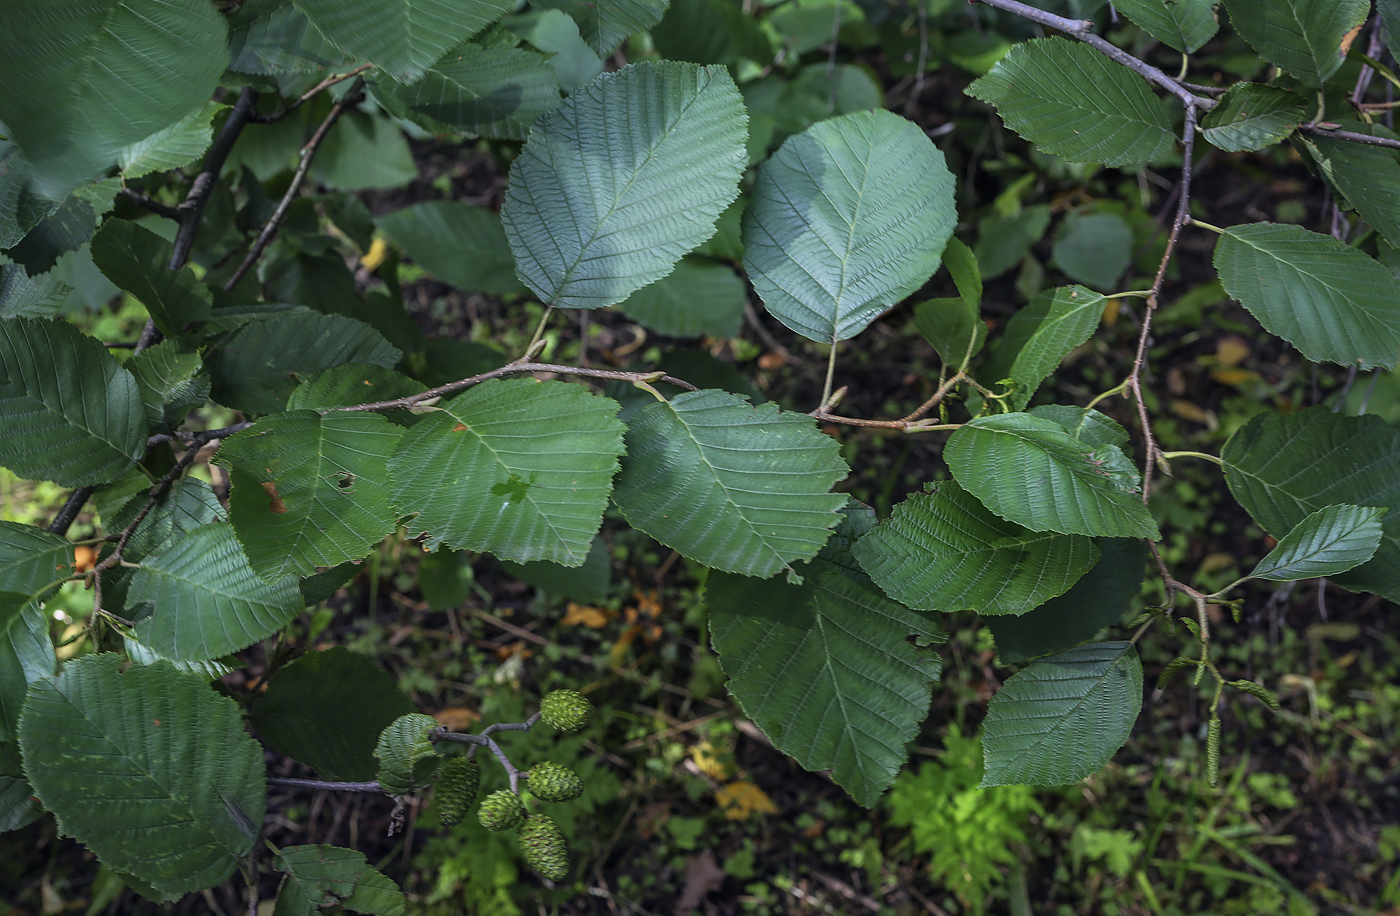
x=552, y=782
x=456, y=789
x=543, y=847
x=407, y=758
x=566, y=710
x=502, y=810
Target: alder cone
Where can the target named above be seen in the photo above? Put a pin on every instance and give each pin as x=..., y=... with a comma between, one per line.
x=566, y=710
x=542, y=846
x=456, y=789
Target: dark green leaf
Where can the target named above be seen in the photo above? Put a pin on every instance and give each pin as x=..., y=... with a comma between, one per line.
x=1183, y=24
x=1327, y=542
x=66, y=228
x=1093, y=248
x=827, y=668
x=364, y=152
x=1284, y=467
x=954, y=328
x=348, y=386
x=436, y=233
x=69, y=412
x=623, y=178
x=406, y=37
x=1040, y=336
x=1252, y=117
x=588, y=582
x=274, y=37
x=22, y=296
x=1013, y=462
x=519, y=468
x=604, y=24
x=135, y=260
x=943, y=551
x=1002, y=241
x=1332, y=302
x=1367, y=176
x=326, y=710
x=206, y=600
x=26, y=653
x=554, y=33
x=167, y=375
x=737, y=488
x=310, y=490
x=1096, y=601
x=256, y=368
x=320, y=877
x=68, y=77
x=489, y=92
x=697, y=299
x=150, y=769
x=1308, y=38
x=847, y=219
x=1070, y=100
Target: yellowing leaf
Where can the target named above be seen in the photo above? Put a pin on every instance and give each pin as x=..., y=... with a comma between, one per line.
x=378, y=250
x=707, y=758
x=1231, y=351
x=741, y=799
x=580, y=615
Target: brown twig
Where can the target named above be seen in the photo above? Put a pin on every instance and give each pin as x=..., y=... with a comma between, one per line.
x=71, y=507
x=259, y=118
x=155, y=206
x=411, y=401
x=1133, y=384
x=193, y=206
x=325, y=784
x=1324, y=129
x=308, y=152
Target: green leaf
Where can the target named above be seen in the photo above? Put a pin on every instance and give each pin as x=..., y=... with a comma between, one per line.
x=1308, y=38
x=847, y=218
x=1186, y=25
x=70, y=70
x=826, y=668
x=206, y=600
x=274, y=37
x=310, y=490
x=21, y=207
x=407, y=758
x=1367, y=176
x=1389, y=11
x=1096, y=601
x=1063, y=717
x=135, y=260
x=150, y=769
x=1093, y=248
x=1327, y=542
x=1284, y=467
x=403, y=37
x=23, y=296
x=573, y=61
x=1332, y=302
x=943, y=551
x=1039, y=337
x=1083, y=423
x=256, y=368
x=1030, y=471
x=348, y=386
x=519, y=468
x=953, y=326
x=604, y=24
x=1252, y=117
x=66, y=228
x=588, y=582
x=697, y=299
x=322, y=877
x=1070, y=100
x=26, y=653
x=435, y=233
x=18, y=809
x=174, y=147
x=734, y=487
x=32, y=560
x=489, y=92
x=70, y=413
x=623, y=178
x=326, y=710
x=168, y=377
x=1003, y=241
x=967, y=275
x=364, y=152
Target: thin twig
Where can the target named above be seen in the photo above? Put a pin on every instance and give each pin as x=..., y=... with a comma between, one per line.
x=326, y=784
x=155, y=206
x=1324, y=129
x=308, y=152
x=203, y=185
x=259, y=118
x=407, y=403
x=1133, y=384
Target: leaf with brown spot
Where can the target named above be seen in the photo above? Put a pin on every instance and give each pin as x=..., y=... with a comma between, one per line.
x=274, y=504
